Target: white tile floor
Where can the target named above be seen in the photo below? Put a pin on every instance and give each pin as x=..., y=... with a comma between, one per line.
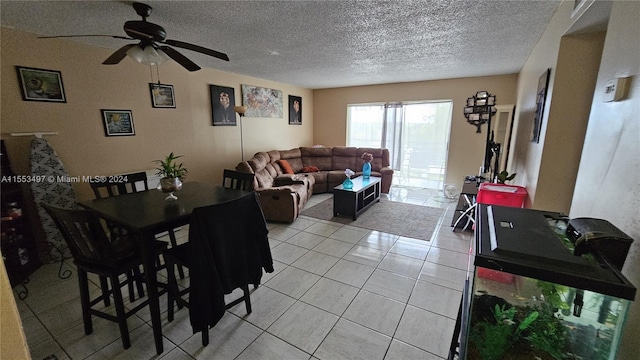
x=338, y=292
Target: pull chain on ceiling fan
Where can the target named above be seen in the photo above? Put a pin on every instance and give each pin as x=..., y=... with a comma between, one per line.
x=154, y=47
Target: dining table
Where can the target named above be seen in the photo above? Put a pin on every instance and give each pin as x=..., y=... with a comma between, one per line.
x=146, y=214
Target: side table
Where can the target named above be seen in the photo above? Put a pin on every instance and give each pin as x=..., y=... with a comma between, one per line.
x=466, y=206
x=352, y=202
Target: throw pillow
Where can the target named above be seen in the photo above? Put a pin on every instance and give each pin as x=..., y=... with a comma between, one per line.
x=311, y=168
x=286, y=168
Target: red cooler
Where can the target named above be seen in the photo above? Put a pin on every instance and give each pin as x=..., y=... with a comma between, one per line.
x=501, y=194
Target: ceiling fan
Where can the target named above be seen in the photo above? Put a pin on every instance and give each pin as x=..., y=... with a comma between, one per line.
x=153, y=46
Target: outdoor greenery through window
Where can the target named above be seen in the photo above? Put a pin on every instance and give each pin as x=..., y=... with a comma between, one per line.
x=416, y=134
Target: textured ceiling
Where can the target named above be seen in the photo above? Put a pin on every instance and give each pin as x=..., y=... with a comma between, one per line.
x=318, y=44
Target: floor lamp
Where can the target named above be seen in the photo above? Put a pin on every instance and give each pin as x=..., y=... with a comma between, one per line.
x=241, y=110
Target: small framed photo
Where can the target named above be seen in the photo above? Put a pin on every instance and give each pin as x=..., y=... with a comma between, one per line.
x=41, y=85
x=162, y=96
x=541, y=98
x=295, y=110
x=117, y=122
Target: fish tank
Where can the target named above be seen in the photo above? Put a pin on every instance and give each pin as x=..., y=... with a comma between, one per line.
x=531, y=295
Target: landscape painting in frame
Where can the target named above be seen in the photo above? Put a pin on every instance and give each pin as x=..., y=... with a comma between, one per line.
x=223, y=99
x=41, y=85
x=162, y=96
x=262, y=102
x=117, y=122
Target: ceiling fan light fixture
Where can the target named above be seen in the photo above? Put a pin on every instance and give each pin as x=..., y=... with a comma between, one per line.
x=153, y=47
x=162, y=57
x=148, y=55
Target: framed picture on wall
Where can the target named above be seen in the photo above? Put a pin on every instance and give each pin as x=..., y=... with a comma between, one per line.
x=41, y=85
x=223, y=99
x=541, y=97
x=162, y=96
x=117, y=122
x=295, y=110
x=262, y=102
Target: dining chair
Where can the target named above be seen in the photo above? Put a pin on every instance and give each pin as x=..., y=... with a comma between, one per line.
x=119, y=184
x=126, y=184
x=93, y=252
x=232, y=179
x=228, y=248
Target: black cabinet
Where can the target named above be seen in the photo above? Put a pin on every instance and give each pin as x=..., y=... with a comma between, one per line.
x=17, y=241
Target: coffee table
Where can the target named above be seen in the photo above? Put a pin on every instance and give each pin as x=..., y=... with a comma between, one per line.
x=353, y=202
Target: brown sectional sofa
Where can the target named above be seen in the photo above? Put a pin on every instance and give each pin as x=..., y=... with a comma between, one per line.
x=283, y=196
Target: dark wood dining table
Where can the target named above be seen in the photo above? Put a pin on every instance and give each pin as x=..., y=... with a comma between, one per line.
x=145, y=214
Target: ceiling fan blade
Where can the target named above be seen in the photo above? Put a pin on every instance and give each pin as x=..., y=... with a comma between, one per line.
x=180, y=59
x=197, y=48
x=72, y=36
x=139, y=33
x=117, y=56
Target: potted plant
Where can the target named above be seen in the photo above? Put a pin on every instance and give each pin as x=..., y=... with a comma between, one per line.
x=172, y=175
x=504, y=176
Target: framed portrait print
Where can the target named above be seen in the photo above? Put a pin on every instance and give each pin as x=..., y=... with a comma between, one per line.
x=162, y=96
x=541, y=97
x=223, y=99
x=295, y=110
x=117, y=122
x=40, y=85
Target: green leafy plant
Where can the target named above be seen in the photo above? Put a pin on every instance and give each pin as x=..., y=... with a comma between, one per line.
x=548, y=334
x=169, y=168
x=553, y=295
x=504, y=176
x=493, y=340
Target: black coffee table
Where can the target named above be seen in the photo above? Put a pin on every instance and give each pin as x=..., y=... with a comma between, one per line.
x=352, y=202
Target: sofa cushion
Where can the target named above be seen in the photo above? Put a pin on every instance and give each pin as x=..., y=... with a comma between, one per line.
x=271, y=168
x=274, y=155
x=293, y=157
x=244, y=167
x=258, y=162
x=264, y=179
x=286, y=168
x=344, y=158
x=320, y=157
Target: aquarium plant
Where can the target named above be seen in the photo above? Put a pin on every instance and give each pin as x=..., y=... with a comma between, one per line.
x=548, y=334
x=494, y=338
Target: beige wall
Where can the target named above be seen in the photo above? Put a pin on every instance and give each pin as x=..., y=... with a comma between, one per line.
x=91, y=86
x=608, y=185
x=605, y=183
x=574, y=83
x=466, y=149
x=548, y=169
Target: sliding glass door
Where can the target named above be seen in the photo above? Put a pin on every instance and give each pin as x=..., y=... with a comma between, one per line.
x=416, y=134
